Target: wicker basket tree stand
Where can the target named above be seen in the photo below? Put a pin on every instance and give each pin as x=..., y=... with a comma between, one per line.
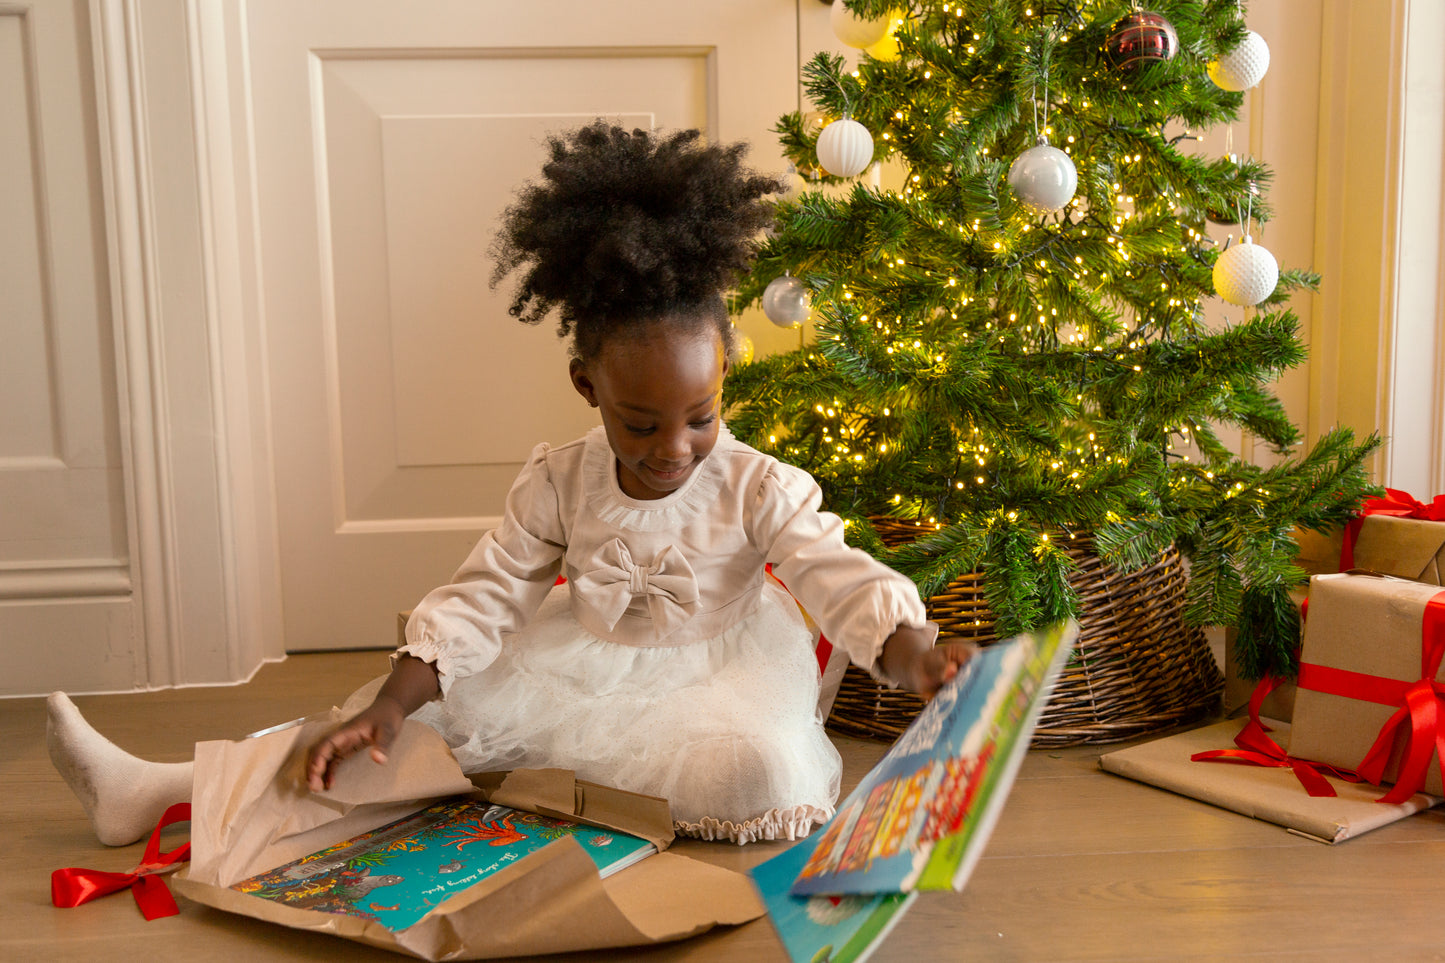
x=1136, y=668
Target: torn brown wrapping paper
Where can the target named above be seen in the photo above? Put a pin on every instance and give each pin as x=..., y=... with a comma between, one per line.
x=250, y=815
x=1274, y=795
x=1365, y=624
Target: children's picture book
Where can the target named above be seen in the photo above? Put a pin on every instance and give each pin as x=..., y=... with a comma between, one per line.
x=843, y=928
x=398, y=873
x=919, y=819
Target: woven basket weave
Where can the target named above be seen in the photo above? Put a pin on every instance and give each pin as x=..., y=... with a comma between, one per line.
x=1136, y=668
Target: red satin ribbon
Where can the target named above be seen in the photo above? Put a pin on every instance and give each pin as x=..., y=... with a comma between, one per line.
x=824, y=650
x=1421, y=702
x=1395, y=502
x=1256, y=748
x=71, y=887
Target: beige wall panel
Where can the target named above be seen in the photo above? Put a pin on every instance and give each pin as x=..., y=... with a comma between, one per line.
x=84, y=645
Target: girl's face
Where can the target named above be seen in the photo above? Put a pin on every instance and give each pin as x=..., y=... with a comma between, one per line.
x=660, y=397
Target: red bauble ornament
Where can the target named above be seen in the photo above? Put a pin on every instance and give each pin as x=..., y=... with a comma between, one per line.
x=1141, y=38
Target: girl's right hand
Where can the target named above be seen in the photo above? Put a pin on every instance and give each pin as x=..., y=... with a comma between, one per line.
x=375, y=727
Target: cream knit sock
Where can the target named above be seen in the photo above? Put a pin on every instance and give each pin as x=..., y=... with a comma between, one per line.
x=123, y=795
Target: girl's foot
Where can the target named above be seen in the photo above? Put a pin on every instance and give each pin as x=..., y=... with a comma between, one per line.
x=123, y=795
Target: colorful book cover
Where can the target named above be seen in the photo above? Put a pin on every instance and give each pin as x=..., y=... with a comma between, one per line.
x=824, y=929
x=398, y=873
x=919, y=819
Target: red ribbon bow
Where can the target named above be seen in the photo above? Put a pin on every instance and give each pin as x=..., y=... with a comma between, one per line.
x=1421, y=702
x=1395, y=502
x=71, y=887
x=1256, y=748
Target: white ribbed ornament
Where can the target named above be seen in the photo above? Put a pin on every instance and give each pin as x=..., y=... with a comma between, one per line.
x=787, y=301
x=1044, y=178
x=845, y=148
x=1242, y=67
x=854, y=30
x=1245, y=274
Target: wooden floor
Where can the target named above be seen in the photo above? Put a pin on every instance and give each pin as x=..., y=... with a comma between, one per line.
x=1083, y=865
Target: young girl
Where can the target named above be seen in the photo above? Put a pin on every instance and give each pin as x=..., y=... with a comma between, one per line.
x=667, y=663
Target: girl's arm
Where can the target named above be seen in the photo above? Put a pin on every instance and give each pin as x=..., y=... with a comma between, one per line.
x=911, y=659
x=411, y=685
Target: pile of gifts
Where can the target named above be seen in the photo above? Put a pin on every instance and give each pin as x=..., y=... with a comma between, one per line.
x=1367, y=719
x=1368, y=697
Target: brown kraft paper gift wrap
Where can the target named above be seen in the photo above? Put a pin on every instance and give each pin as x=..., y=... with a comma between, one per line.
x=1403, y=547
x=250, y=814
x=1371, y=660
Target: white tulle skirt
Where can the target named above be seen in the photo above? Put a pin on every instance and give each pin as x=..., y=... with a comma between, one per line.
x=727, y=730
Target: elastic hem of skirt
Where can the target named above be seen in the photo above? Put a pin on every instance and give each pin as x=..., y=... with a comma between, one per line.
x=795, y=822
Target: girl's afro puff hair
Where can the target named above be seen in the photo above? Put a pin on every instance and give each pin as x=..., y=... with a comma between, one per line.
x=630, y=227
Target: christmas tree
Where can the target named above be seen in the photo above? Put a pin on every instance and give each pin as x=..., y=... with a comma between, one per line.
x=1012, y=370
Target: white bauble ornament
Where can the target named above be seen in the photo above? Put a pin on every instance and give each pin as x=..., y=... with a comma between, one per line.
x=1245, y=274
x=792, y=183
x=886, y=48
x=845, y=148
x=743, y=349
x=787, y=301
x=1242, y=67
x=1044, y=178
x=854, y=30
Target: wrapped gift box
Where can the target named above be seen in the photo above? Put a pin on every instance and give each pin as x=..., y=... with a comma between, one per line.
x=1368, y=642
x=1318, y=554
x=1261, y=792
x=1404, y=547
x=1409, y=548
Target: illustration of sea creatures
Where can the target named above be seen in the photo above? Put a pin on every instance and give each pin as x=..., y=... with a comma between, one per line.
x=499, y=833
x=308, y=870
x=451, y=867
x=602, y=839
x=345, y=893
x=383, y=909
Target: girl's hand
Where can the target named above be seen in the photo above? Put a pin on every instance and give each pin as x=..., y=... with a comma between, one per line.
x=375, y=726
x=411, y=684
x=911, y=659
x=932, y=669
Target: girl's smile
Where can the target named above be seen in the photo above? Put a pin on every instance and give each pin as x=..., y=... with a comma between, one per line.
x=659, y=395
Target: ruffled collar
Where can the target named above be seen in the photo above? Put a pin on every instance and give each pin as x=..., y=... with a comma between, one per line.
x=616, y=508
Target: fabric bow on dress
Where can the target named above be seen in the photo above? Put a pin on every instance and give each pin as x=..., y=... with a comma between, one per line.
x=612, y=580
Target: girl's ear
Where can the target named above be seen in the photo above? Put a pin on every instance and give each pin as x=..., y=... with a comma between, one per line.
x=578, y=372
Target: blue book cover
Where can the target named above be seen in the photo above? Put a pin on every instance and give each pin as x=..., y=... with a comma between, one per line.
x=398, y=873
x=919, y=819
x=824, y=929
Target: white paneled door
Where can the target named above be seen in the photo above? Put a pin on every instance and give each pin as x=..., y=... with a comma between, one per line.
x=387, y=140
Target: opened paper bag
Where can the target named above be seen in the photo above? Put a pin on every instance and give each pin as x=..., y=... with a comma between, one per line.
x=251, y=813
